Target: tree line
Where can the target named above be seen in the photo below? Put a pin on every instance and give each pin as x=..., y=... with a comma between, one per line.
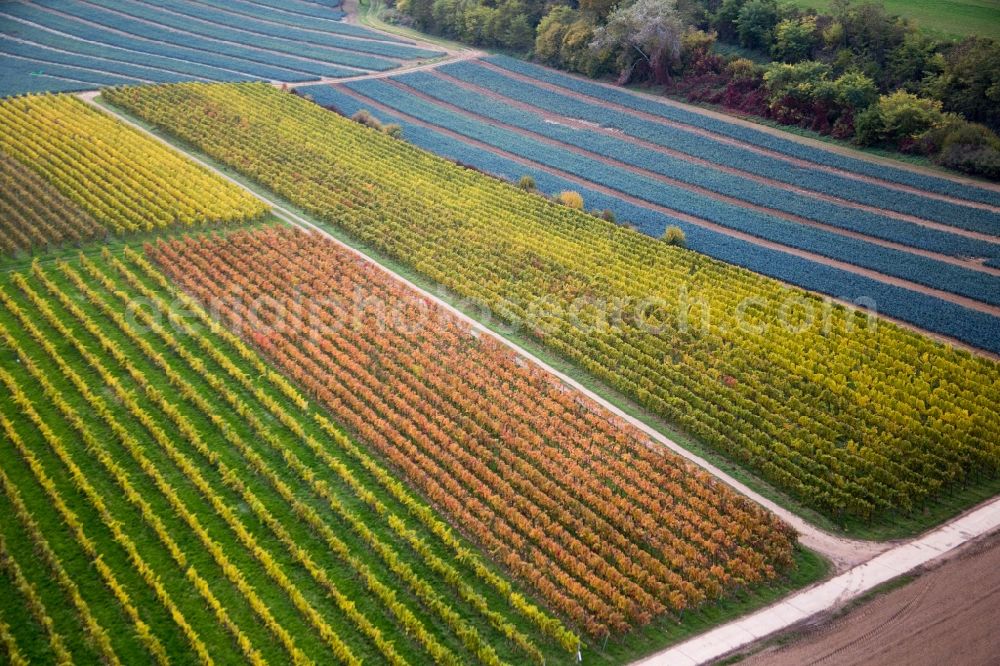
x=855, y=71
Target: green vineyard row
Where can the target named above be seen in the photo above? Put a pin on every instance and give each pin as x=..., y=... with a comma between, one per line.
x=188, y=504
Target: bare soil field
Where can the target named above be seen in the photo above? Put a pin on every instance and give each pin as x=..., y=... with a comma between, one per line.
x=946, y=616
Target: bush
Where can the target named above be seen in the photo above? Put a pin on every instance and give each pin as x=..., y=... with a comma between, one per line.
x=967, y=147
x=743, y=69
x=795, y=39
x=527, y=183
x=868, y=127
x=608, y=215
x=755, y=23
x=570, y=199
x=976, y=160
x=365, y=117
x=674, y=236
x=899, y=119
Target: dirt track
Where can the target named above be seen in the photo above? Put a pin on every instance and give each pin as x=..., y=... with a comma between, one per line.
x=947, y=616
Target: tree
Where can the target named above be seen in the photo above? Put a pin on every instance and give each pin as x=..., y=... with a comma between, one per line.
x=448, y=16
x=795, y=39
x=724, y=20
x=970, y=81
x=576, y=53
x=916, y=59
x=854, y=91
x=897, y=118
x=479, y=24
x=802, y=81
x=756, y=22
x=650, y=30
x=598, y=9
x=550, y=33
x=871, y=34
x=519, y=35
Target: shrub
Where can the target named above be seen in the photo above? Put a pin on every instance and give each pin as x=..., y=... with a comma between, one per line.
x=795, y=39
x=755, y=23
x=904, y=115
x=976, y=160
x=608, y=215
x=365, y=117
x=743, y=69
x=674, y=236
x=967, y=147
x=527, y=183
x=570, y=199
x=899, y=119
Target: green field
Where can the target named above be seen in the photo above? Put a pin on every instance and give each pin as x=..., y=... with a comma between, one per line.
x=232, y=521
x=951, y=18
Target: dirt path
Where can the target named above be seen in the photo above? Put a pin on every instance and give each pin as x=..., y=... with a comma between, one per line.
x=618, y=134
x=706, y=224
x=815, y=166
x=921, y=616
x=350, y=8
x=947, y=616
x=416, y=66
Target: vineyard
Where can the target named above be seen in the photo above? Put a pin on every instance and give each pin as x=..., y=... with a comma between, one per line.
x=74, y=172
x=924, y=249
x=60, y=45
x=33, y=214
x=169, y=498
x=610, y=533
x=326, y=339
x=859, y=420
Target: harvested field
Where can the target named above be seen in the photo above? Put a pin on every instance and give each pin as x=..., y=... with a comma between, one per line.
x=946, y=616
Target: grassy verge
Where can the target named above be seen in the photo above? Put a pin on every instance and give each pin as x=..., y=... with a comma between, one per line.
x=809, y=568
x=368, y=16
x=942, y=18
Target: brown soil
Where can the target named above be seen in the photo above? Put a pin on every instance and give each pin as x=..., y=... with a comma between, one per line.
x=946, y=616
